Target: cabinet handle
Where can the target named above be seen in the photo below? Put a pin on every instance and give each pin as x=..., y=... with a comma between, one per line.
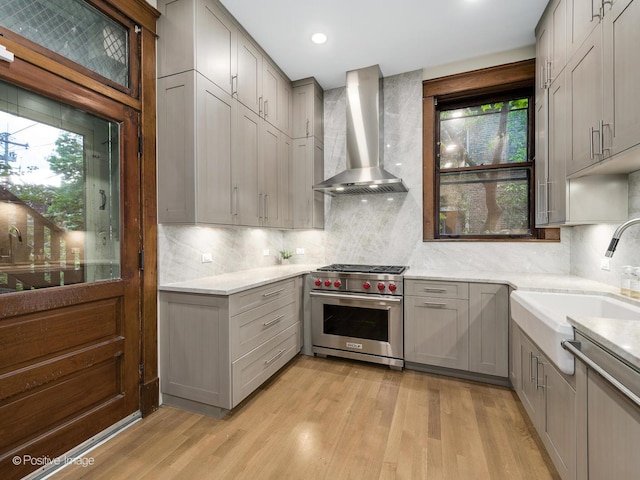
x=538, y=384
x=591, y=130
x=260, y=106
x=266, y=108
x=307, y=127
x=435, y=290
x=277, y=319
x=275, y=292
x=532, y=357
x=548, y=80
x=277, y=355
x=434, y=304
x=235, y=201
x=260, y=207
x=266, y=207
x=234, y=89
x=542, y=77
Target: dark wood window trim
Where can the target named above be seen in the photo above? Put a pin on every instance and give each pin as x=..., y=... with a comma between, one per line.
x=477, y=83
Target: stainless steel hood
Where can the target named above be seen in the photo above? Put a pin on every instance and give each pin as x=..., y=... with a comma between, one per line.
x=365, y=139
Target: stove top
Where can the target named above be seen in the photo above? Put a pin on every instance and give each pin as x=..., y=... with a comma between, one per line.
x=355, y=268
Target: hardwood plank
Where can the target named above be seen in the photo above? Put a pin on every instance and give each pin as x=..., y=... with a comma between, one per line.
x=337, y=419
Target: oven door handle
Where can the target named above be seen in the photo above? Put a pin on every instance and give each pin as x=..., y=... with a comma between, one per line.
x=370, y=298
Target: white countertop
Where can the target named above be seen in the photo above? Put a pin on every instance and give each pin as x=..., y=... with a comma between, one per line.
x=234, y=282
x=622, y=337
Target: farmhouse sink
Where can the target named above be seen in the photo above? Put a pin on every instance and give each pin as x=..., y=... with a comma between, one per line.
x=543, y=316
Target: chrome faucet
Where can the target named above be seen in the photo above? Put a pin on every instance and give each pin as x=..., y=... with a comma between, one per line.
x=617, y=234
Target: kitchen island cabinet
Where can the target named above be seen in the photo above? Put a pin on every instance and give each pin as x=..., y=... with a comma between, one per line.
x=459, y=326
x=217, y=349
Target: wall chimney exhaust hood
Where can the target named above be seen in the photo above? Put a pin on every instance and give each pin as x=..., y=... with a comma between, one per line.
x=365, y=140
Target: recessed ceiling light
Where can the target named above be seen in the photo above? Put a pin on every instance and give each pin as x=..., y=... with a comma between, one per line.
x=319, y=38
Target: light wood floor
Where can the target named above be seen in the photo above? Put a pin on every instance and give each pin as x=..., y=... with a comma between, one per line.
x=335, y=419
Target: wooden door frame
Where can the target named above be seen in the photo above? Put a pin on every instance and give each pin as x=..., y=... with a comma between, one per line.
x=23, y=72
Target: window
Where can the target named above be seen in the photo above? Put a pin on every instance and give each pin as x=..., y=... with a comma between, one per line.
x=59, y=193
x=478, y=156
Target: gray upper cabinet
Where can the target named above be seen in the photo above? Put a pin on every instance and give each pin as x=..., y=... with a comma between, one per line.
x=603, y=100
x=308, y=110
x=196, y=35
x=583, y=18
x=551, y=45
x=308, y=154
x=621, y=46
x=249, y=74
x=195, y=118
x=224, y=121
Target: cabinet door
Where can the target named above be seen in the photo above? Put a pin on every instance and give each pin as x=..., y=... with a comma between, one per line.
x=436, y=331
x=542, y=159
x=270, y=91
x=302, y=111
x=176, y=48
x=318, y=176
x=216, y=111
x=584, y=17
x=585, y=86
x=194, y=339
x=557, y=138
x=613, y=432
x=285, y=167
x=249, y=74
x=268, y=175
x=246, y=160
x=284, y=106
x=529, y=387
x=215, y=42
x=621, y=49
x=176, y=148
x=515, y=372
x=489, y=329
x=559, y=426
x=558, y=47
x=302, y=192
x=543, y=53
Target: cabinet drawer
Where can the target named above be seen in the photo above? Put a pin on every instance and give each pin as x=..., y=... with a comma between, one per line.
x=252, y=370
x=250, y=299
x=251, y=329
x=433, y=288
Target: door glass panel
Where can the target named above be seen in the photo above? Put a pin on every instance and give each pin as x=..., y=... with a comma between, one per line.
x=73, y=29
x=59, y=193
x=356, y=322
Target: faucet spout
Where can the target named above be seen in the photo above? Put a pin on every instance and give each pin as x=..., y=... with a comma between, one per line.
x=617, y=234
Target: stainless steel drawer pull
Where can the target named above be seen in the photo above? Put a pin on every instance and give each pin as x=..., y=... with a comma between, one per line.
x=275, y=357
x=277, y=319
x=572, y=346
x=436, y=290
x=434, y=304
x=275, y=292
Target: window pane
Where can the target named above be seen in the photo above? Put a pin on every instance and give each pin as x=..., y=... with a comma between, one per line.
x=73, y=29
x=59, y=193
x=494, y=202
x=486, y=134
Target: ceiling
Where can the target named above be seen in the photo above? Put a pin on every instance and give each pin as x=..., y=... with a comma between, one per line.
x=399, y=35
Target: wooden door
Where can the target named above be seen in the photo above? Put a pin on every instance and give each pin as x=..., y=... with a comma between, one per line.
x=70, y=354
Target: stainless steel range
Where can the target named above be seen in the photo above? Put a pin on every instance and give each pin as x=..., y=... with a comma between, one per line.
x=357, y=312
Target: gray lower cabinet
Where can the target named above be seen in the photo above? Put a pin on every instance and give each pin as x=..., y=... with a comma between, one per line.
x=549, y=397
x=216, y=350
x=457, y=325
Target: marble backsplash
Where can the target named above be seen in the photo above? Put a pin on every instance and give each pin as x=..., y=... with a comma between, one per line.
x=387, y=229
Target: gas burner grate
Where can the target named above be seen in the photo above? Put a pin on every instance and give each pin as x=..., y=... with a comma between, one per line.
x=354, y=268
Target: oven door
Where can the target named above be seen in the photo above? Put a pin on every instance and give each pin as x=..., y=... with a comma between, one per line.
x=360, y=324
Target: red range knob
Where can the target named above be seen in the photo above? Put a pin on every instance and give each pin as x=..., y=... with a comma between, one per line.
x=337, y=283
x=318, y=282
x=392, y=287
x=381, y=286
x=327, y=283
x=366, y=285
